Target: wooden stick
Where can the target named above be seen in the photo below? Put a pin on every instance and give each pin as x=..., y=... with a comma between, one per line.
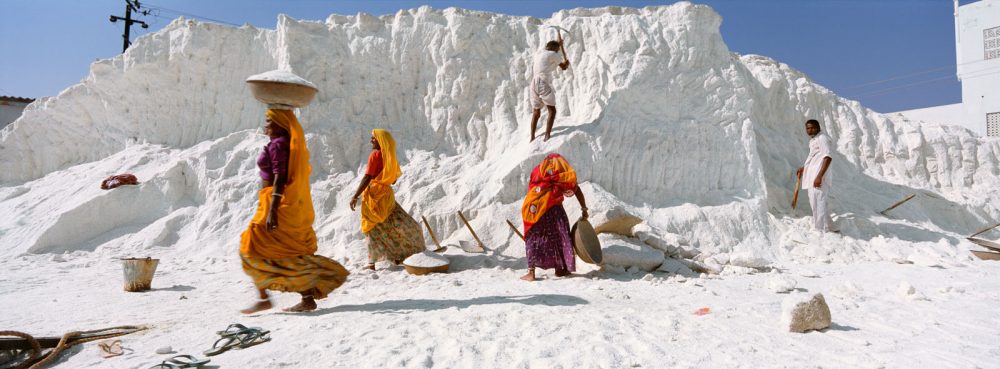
x=431, y=231
x=984, y=230
x=561, y=48
x=474, y=235
x=516, y=231
x=984, y=243
x=795, y=197
x=898, y=203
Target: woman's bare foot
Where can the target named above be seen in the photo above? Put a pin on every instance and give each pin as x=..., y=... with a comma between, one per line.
x=371, y=266
x=562, y=273
x=530, y=277
x=307, y=304
x=259, y=306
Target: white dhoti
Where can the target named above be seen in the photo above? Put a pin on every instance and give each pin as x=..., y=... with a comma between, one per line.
x=821, y=215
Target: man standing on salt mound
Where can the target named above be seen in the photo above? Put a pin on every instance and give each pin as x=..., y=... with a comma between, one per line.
x=547, y=241
x=542, y=93
x=392, y=233
x=815, y=181
x=278, y=248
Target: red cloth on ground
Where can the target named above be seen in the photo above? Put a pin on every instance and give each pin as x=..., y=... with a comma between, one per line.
x=118, y=180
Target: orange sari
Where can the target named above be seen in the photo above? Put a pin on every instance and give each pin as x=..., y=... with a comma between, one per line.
x=552, y=180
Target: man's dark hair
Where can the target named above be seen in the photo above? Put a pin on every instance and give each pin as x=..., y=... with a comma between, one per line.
x=552, y=45
x=813, y=122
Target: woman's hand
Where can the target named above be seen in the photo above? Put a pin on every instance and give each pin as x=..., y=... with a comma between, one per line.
x=584, y=214
x=354, y=203
x=272, y=220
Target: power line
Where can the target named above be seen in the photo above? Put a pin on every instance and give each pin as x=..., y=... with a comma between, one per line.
x=901, y=77
x=191, y=15
x=981, y=73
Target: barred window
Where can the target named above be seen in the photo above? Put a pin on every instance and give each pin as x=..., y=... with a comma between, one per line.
x=993, y=124
x=991, y=43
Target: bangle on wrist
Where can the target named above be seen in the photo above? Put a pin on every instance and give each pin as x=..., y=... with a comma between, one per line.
x=277, y=194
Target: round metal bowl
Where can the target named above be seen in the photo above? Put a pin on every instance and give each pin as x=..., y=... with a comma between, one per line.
x=426, y=270
x=272, y=92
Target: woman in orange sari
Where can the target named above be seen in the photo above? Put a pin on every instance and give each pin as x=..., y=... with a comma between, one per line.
x=547, y=239
x=278, y=248
x=392, y=233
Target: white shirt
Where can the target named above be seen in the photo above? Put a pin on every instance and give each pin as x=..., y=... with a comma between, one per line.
x=819, y=148
x=545, y=63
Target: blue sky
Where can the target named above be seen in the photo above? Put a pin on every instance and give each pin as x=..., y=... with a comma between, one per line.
x=889, y=54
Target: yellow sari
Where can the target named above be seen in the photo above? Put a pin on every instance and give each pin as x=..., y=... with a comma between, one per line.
x=378, y=200
x=283, y=259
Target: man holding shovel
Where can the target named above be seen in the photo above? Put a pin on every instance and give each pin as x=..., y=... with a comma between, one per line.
x=815, y=182
x=542, y=93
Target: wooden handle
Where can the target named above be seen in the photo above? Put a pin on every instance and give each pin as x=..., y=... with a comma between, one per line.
x=898, y=203
x=474, y=235
x=795, y=197
x=431, y=231
x=985, y=229
x=561, y=48
x=516, y=231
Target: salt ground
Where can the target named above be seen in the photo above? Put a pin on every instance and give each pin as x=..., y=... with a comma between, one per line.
x=684, y=150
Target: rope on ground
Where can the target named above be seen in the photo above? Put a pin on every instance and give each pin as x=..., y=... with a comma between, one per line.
x=68, y=340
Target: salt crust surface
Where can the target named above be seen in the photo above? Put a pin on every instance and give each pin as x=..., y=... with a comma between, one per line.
x=426, y=259
x=662, y=122
x=281, y=76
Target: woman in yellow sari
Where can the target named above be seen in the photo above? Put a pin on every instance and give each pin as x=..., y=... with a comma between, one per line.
x=278, y=248
x=392, y=233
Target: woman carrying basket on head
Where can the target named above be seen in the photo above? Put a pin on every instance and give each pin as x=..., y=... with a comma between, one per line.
x=278, y=248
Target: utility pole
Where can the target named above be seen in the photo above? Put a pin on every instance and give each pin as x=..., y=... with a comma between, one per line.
x=130, y=5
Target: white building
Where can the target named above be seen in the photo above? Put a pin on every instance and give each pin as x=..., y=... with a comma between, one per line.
x=977, y=52
x=11, y=108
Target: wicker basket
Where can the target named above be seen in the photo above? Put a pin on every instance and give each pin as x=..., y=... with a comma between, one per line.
x=586, y=243
x=426, y=270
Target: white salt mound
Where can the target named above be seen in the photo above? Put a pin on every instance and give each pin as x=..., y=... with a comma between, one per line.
x=426, y=259
x=282, y=76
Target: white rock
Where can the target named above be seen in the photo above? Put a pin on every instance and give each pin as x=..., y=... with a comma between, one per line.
x=749, y=260
x=164, y=350
x=736, y=270
x=849, y=291
x=675, y=266
x=781, y=284
x=628, y=253
x=801, y=313
x=617, y=220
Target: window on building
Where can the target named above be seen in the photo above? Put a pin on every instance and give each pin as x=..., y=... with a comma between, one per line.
x=993, y=124
x=991, y=43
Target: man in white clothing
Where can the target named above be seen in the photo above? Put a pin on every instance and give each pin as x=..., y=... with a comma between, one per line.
x=815, y=181
x=542, y=93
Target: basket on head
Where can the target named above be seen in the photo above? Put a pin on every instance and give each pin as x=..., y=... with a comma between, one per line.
x=279, y=87
x=586, y=243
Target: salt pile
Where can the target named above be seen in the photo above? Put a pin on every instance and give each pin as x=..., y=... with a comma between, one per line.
x=426, y=259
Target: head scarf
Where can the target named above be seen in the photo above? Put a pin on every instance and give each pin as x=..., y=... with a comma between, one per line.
x=551, y=181
x=295, y=235
x=378, y=200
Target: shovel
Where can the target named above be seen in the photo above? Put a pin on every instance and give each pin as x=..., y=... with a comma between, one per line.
x=795, y=197
x=468, y=246
x=514, y=228
x=559, y=31
x=433, y=236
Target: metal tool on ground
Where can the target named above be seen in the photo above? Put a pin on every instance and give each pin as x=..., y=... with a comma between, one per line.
x=466, y=246
x=795, y=196
x=897, y=204
x=433, y=236
x=514, y=228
